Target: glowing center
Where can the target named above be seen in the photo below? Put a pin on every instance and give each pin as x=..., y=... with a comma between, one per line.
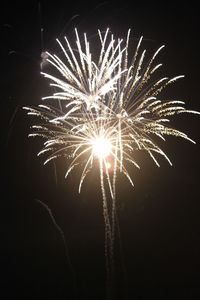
x=101, y=147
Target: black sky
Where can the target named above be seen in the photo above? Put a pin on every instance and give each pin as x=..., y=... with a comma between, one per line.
x=159, y=219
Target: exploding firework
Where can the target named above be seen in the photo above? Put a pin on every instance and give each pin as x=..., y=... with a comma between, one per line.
x=109, y=108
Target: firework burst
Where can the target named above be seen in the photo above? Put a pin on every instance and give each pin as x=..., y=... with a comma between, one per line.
x=110, y=108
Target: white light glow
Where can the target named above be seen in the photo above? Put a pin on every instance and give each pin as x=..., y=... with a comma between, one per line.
x=101, y=147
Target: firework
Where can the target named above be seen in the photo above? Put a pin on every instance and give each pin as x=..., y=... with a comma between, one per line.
x=109, y=108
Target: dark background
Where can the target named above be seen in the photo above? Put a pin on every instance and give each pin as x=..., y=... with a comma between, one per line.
x=159, y=219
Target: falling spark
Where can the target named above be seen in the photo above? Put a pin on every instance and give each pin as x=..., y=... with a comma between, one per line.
x=111, y=108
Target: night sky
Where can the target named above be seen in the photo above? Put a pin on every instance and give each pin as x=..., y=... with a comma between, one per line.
x=159, y=219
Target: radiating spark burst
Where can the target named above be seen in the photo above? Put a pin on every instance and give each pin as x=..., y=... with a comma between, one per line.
x=110, y=109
